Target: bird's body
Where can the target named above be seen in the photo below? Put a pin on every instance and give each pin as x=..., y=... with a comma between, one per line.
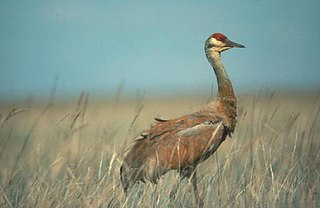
x=182, y=143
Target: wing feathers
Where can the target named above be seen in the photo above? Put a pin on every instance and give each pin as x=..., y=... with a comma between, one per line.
x=190, y=124
x=196, y=129
x=160, y=120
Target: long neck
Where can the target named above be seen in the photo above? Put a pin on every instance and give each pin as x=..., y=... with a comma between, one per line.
x=225, y=89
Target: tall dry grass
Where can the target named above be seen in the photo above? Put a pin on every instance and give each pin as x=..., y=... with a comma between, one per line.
x=68, y=154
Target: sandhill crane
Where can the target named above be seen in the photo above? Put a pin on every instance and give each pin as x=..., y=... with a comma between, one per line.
x=182, y=143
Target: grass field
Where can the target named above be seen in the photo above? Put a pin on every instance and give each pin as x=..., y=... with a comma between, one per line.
x=68, y=153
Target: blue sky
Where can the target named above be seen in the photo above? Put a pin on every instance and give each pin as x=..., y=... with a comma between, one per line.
x=155, y=46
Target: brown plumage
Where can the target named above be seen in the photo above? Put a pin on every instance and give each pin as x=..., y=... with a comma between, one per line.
x=182, y=143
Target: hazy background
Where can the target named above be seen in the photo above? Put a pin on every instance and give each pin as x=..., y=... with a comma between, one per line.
x=154, y=46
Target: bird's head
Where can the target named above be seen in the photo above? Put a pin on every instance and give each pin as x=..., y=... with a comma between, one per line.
x=219, y=42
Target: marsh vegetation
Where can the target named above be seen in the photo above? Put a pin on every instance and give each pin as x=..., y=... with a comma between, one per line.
x=68, y=153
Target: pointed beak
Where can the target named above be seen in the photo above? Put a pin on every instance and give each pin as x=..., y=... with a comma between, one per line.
x=235, y=45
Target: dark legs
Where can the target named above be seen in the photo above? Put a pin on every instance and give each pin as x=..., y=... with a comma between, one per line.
x=183, y=175
x=191, y=174
x=195, y=189
x=174, y=190
x=127, y=180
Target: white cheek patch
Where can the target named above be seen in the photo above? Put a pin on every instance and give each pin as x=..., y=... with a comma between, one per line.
x=224, y=48
x=216, y=43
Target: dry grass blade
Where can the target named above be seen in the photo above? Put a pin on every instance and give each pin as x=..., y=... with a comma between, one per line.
x=13, y=113
x=25, y=142
x=63, y=118
x=135, y=118
x=75, y=119
x=4, y=195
